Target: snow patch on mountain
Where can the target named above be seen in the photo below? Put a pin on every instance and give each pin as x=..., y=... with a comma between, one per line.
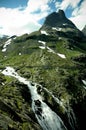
x=19, y=54
x=61, y=55
x=64, y=24
x=84, y=82
x=50, y=50
x=42, y=42
x=44, y=32
x=42, y=47
x=4, y=49
x=6, y=44
x=60, y=38
x=57, y=29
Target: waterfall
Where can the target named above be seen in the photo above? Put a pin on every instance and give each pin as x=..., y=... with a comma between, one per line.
x=71, y=118
x=47, y=118
x=68, y=110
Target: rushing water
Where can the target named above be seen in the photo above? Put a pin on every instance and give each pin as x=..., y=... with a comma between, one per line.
x=47, y=118
x=68, y=111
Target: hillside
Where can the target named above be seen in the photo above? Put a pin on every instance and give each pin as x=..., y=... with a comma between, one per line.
x=43, y=78
x=84, y=30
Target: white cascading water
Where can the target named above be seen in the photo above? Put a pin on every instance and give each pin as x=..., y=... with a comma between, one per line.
x=47, y=118
x=70, y=114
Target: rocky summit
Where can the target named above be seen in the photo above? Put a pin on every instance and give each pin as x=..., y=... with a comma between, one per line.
x=58, y=19
x=59, y=22
x=43, y=78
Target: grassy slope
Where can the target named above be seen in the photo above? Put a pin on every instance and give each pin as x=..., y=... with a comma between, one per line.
x=61, y=76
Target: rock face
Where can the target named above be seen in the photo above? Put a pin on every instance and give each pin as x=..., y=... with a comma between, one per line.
x=84, y=30
x=58, y=21
x=43, y=78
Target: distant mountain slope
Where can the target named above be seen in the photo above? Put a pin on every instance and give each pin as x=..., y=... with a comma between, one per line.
x=84, y=30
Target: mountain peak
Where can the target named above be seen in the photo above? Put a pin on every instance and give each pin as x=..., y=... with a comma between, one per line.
x=59, y=24
x=57, y=19
x=61, y=13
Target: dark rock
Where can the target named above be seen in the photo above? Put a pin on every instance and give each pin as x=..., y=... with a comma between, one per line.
x=57, y=20
x=37, y=103
x=84, y=30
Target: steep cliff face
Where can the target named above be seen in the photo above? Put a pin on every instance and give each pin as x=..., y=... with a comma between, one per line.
x=43, y=78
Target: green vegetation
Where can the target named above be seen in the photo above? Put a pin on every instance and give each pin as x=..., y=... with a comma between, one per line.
x=62, y=77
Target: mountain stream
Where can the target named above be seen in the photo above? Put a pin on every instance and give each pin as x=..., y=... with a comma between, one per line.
x=47, y=118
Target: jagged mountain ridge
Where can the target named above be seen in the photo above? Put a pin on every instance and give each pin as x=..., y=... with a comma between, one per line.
x=59, y=22
x=55, y=64
x=58, y=19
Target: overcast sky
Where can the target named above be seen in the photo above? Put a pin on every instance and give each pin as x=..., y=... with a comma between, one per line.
x=25, y=16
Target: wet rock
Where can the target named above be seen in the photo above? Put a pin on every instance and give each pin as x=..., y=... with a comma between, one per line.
x=39, y=111
x=39, y=89
x=33, y=84
x=37, y=103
